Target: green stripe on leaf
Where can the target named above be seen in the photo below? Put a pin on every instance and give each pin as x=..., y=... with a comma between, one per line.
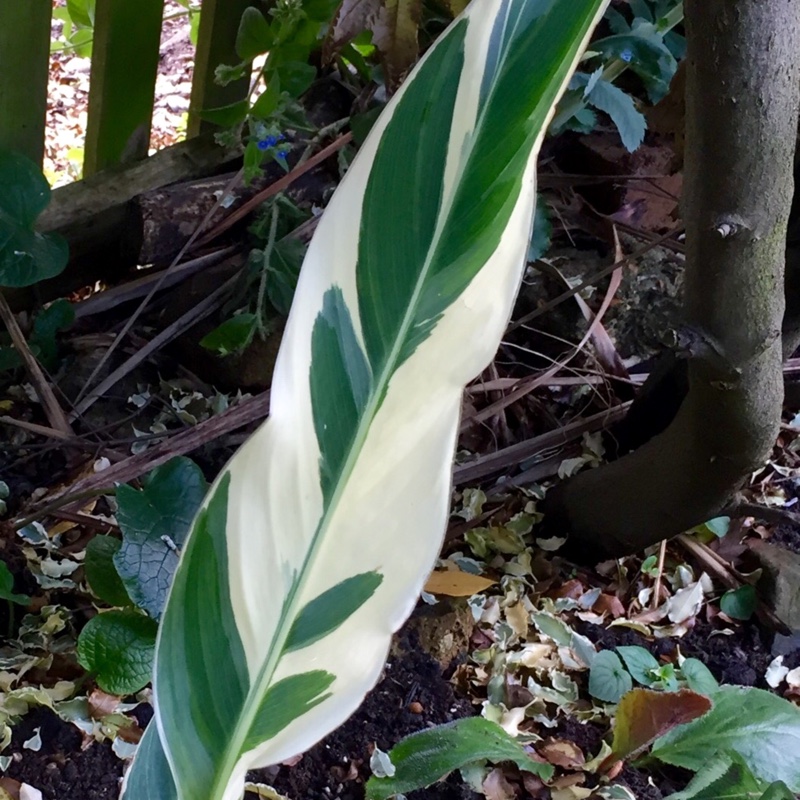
x=328, y=611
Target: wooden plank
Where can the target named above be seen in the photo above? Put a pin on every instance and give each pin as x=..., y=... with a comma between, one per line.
x=216, y=44
x=24, y=68
x=125, y=53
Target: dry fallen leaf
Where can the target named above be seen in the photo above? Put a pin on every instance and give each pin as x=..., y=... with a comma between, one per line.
x=561, y=753
x=455, y=583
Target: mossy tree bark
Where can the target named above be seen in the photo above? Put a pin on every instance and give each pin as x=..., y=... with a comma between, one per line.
x=743, y=87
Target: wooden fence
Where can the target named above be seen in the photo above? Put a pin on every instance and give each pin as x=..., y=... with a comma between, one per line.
x=124, y=65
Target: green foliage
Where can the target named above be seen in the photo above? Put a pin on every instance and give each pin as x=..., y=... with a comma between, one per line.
x=542, y=231
x=760, y=727
x=77, y=32
x=102, y=575
x=608, y=680
x=26, y=256
x=423, y=758
x=739, y=603
x=7, y=587
x=728, y=777
x=647, y=46
x=154, y=522
x=268, y=281
x=50, y=321
x=118, y=647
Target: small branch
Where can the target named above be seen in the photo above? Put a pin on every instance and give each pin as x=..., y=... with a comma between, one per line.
x=54, y=412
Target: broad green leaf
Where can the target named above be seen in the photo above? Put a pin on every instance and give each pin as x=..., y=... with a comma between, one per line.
x=339, y=501
x=118, y=647
x=7, y=587
x=227, y=116
x=698, y=677
x=58, y=316
x=428, y=756
x=231, y=335
x=154, y=523
x=152, y=770
x=641, y=664
x=254, y=36
x=26, y=256
x=739, y=603
x=725, y=777
x=761, y=727
x=102, y=575
x=295, y=77
x=282, y=273
x=608, y=679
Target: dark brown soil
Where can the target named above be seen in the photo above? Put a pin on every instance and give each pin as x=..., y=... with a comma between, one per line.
x=386, y=716
x=61, y=770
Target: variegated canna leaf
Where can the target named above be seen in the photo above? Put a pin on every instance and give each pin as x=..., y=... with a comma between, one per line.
x=314, y=542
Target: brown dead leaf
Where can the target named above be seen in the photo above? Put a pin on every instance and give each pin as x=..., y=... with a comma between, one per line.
x=101, y=703
x=9, y=789
x=561, y=753
x=394, y=25
x=609, y=604
x=517, y=618
x=496, y=787
x=455, y=583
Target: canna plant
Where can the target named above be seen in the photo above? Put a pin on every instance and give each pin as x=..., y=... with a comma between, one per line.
x=313, y=544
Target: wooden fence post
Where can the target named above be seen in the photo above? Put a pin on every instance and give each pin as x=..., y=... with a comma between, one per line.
x=216, y=44
x=125, y=52
x=24, y=69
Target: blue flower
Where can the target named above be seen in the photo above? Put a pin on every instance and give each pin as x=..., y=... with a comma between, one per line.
x=265, y=144
x=626, y=55
x=282, y=153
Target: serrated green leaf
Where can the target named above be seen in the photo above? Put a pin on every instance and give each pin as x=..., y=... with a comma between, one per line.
x=426, y=757
x=26, y=256
x=739, y=603
x=102, y=575
x=725, y=777
x=154, y=524
x=282, y=273
x=254, y=36
x=641, y=664
x=118, y=648
x=761, y=727
x=606, y=97
x=608, y=680
x=698, y=677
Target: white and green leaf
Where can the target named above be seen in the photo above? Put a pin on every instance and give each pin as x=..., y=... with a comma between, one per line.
x=315, y=541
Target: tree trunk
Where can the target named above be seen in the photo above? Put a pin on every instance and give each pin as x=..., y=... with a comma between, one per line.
x=743, y=89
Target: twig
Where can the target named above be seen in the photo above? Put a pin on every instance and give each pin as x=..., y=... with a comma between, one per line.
x=193, y=315
x=773, y=516
x=655, y=599
x=251, y=410
x=40, y=430
x=55, y=413
x=527, y=385
x=590, y=281
x=160, y=282
x=275, y=188
x=484, y=466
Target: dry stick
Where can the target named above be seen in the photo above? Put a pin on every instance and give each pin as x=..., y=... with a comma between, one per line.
x=529, y=384
x=662, y=552
x=253, y=409
x=486, y=465
x=226, y=223
x=710, y=561
x=133, y=290
x=51, y=406
x=590, y=281
x=193, y=315
x=158, y=284
x=40, y=430
x=274, y=188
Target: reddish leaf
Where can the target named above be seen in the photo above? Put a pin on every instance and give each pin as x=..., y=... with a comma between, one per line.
x=643, y=715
